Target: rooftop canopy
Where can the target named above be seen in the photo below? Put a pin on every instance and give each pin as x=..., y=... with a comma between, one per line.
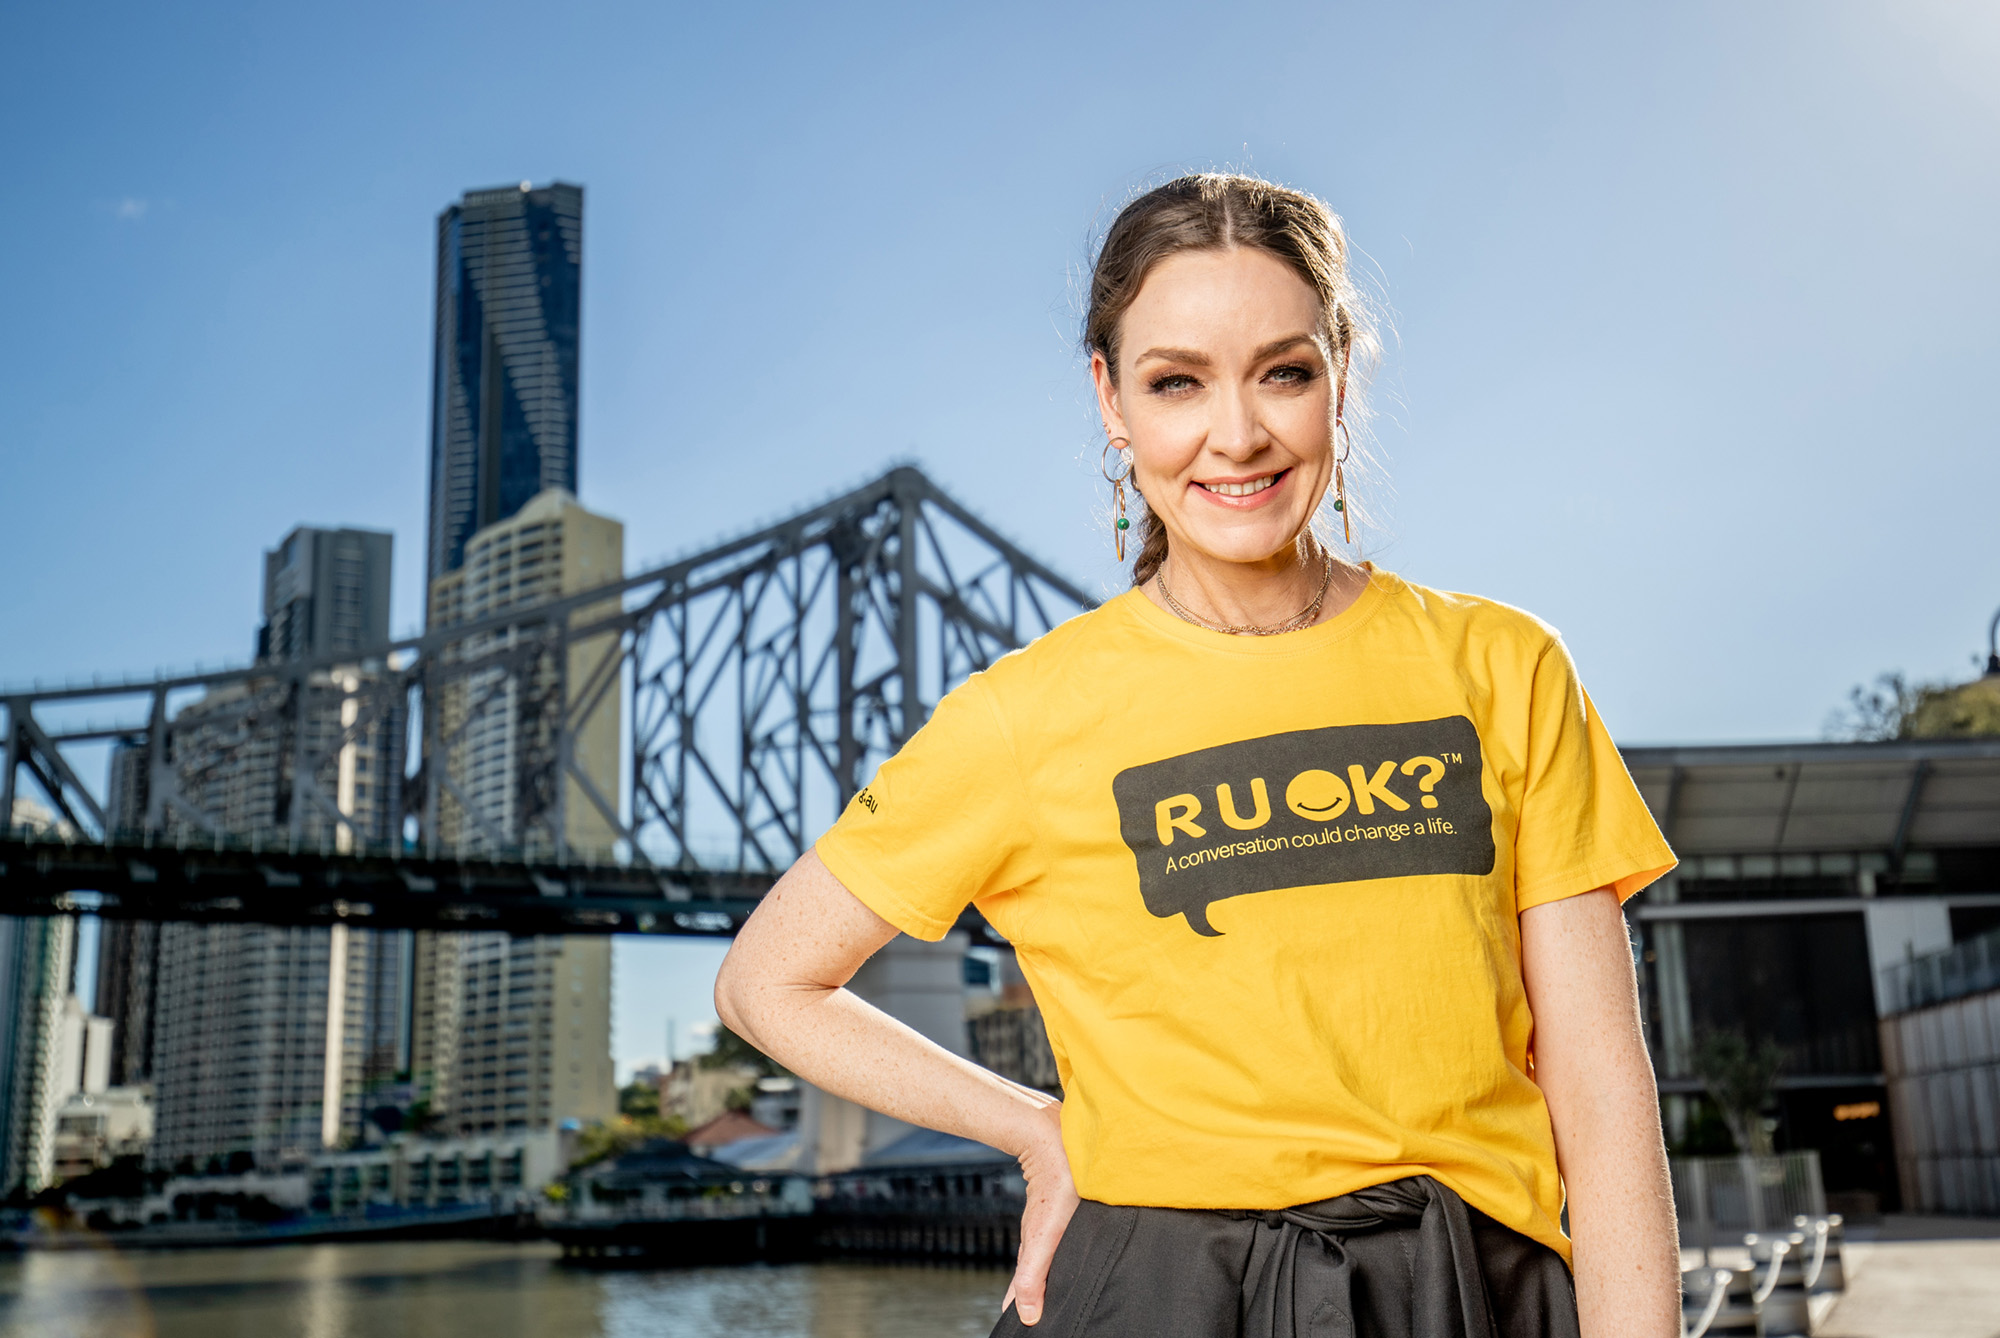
x=1800, y=797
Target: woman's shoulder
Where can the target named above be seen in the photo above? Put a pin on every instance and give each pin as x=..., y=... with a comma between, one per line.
x=1473, y=618
x=1076, y=646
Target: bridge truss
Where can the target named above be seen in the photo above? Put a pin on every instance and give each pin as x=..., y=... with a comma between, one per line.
x=746, y=691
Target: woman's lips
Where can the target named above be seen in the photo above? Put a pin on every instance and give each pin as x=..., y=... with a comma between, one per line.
x=1243, y=492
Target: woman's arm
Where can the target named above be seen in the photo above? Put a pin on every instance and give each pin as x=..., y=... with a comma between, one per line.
x=781, y=988
x=1591, y=1063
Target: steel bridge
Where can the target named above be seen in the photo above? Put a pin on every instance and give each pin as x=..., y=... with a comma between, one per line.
x=757, y=684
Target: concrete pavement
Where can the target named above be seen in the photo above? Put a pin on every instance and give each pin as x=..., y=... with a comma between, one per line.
x=1920, y=1277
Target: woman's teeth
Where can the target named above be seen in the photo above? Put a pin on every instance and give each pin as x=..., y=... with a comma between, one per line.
x=1241, y=489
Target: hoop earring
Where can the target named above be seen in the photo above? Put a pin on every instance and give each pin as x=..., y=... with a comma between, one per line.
x=1340, y=480
x=1117, y=482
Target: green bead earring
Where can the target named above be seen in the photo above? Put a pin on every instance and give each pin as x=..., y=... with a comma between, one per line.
x=1346, y=443
x=1117, y=482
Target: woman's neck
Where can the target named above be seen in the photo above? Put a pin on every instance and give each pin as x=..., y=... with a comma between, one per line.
x=1256, y=595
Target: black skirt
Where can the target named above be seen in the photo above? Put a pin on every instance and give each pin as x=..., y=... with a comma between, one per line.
x=1409, y=1259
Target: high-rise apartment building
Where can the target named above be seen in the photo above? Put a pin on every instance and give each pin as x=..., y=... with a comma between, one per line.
x=258, y=1042
x=48, y=1040
x=500, y=724
x=326, y=592
x=270, y=1040
x=128, y=951
x=504, y=380
x=515, y=1034
x=37, y=969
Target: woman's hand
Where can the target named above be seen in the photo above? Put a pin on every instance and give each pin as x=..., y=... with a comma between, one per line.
x=1051, y=1203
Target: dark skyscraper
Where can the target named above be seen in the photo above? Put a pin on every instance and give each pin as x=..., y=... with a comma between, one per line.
x=504, y=383
x=325, y=592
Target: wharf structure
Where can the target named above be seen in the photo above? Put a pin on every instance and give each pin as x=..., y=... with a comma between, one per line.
x=925, y=1196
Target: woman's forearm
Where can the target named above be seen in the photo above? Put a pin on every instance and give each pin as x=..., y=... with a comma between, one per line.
x=1621, y=1211
x=1592, y=1066
x=782, y=989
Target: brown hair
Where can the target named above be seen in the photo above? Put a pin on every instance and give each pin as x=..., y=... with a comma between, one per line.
x=1214, y=211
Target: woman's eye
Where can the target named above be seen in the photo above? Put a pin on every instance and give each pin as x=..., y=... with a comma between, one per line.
x=1174, y=383
x=1291, y=374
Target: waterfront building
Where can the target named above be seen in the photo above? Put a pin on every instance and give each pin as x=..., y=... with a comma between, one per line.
x=96, y=1126
x=263, y=1040
x=505, y=359
x=514, y=1034
x=503, y=1171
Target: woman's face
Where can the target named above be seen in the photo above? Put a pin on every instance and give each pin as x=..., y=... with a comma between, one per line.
x=1225, y=388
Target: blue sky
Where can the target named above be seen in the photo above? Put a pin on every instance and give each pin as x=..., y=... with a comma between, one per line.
x=1692, y=304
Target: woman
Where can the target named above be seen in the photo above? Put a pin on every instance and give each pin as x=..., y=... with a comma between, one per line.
x=1315, y=874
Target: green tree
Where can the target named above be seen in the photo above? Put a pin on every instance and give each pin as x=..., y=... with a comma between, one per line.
x=1895, y=708
x=1741, y=1077
x=639, y=1100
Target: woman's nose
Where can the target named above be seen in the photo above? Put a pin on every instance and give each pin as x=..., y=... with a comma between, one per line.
x=1234, y=430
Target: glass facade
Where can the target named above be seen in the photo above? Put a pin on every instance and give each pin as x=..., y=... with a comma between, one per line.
x=504, y=387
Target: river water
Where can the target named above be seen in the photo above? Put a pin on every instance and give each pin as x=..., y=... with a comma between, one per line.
x=469, y=1289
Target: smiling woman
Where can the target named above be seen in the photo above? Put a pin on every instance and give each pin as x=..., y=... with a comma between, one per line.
x=1315, y=875
x=1271, y=263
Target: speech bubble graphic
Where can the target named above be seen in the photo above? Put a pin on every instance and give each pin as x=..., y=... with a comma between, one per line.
x=1436, y=823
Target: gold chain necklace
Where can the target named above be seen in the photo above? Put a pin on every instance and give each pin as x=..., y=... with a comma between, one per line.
x=1303, y=618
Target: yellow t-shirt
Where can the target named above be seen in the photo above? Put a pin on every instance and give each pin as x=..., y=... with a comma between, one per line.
x=1266, y=889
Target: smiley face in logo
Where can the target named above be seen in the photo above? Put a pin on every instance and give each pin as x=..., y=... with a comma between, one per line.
x=1318, y=795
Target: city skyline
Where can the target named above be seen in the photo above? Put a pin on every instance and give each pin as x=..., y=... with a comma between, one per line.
x=1687, y=313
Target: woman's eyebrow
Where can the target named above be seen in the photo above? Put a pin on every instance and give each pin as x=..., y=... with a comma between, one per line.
x=1280, y=345
x=1199, y=359
x=1174, y=355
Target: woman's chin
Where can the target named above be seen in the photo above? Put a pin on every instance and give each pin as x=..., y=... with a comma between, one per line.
x=1246, y=546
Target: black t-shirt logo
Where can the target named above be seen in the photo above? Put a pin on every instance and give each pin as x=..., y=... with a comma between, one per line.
x=1334, y=805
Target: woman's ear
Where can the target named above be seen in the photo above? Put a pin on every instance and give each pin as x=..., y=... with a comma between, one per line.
x=1107, y=397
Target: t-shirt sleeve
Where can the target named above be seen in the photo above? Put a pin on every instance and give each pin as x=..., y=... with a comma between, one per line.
x=1583, y=824
x=942, y=824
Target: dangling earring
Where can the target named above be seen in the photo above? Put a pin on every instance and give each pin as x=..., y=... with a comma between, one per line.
x=1346, y=448
x=1117, y=482
x=1344, y=443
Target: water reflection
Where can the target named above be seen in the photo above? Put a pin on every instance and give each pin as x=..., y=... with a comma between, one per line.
x=464, y=1289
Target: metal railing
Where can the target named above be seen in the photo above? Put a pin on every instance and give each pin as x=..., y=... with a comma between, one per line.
x=1720, y=1198
x=1964, y=968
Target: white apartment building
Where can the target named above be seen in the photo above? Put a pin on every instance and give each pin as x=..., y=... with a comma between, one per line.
x=512, y=1035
